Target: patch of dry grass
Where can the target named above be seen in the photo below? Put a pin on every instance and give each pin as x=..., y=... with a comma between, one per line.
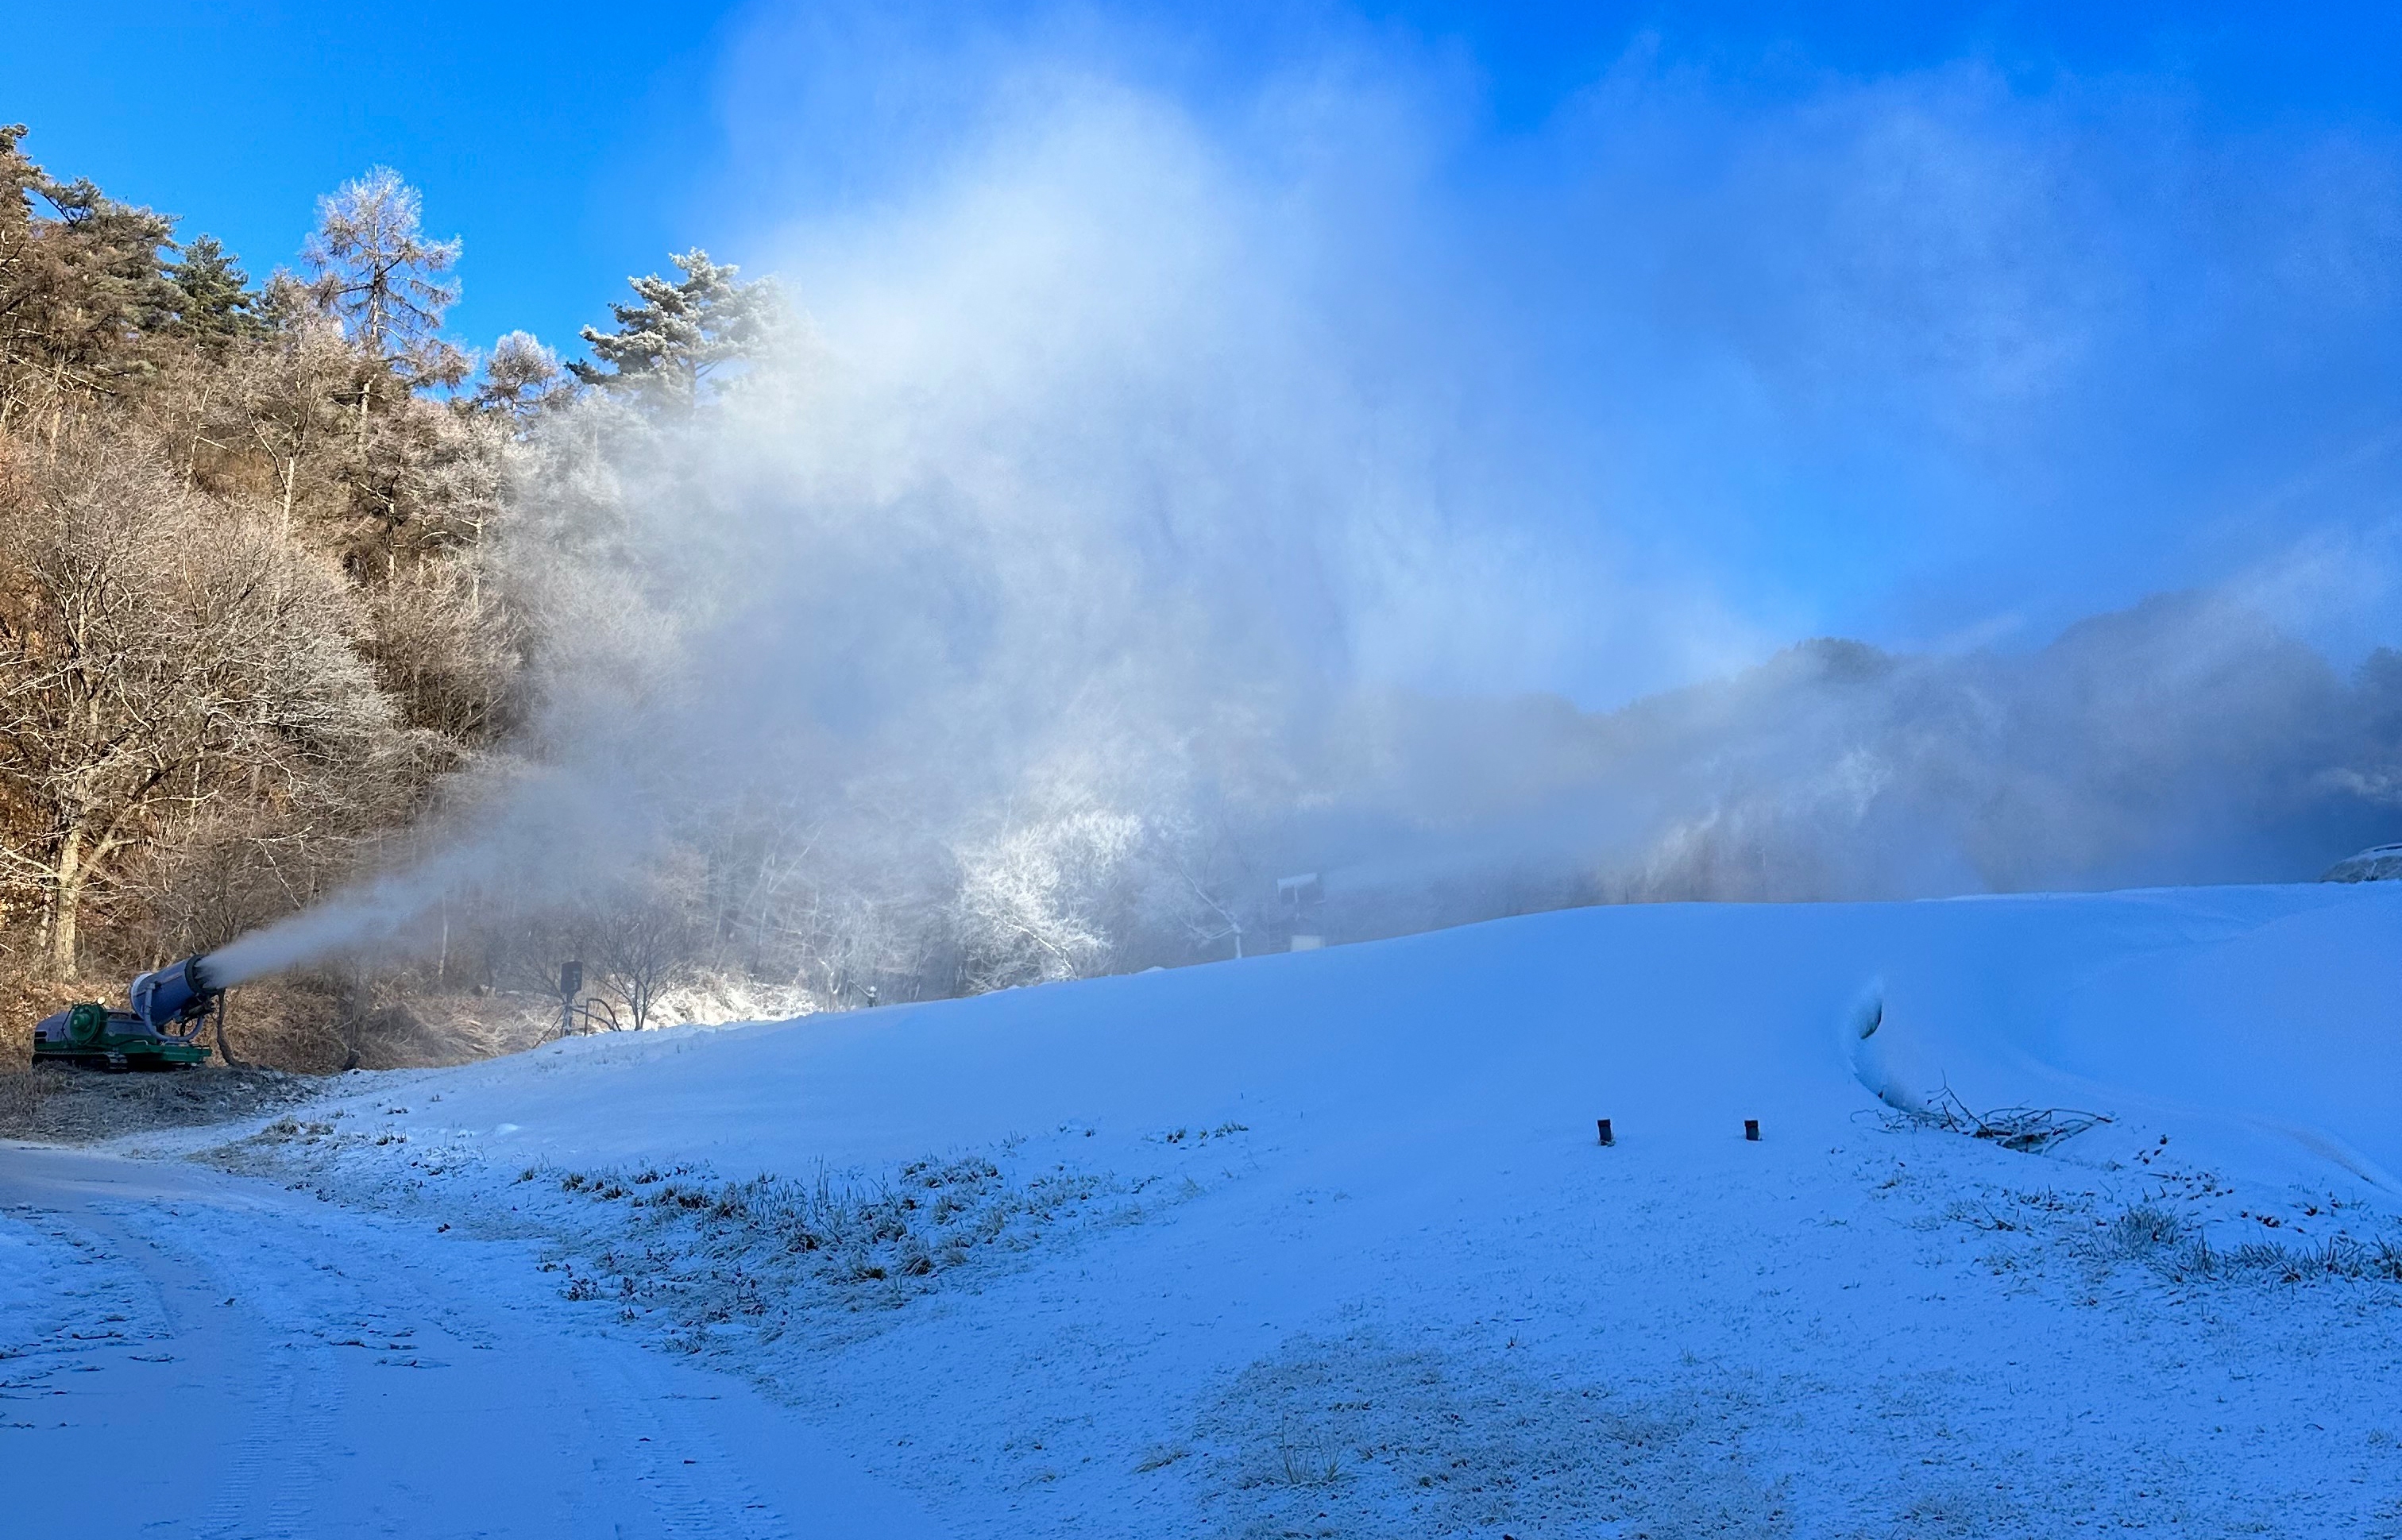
x=59, y=1105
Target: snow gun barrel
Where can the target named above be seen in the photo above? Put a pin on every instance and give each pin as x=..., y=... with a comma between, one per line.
x=174, y=995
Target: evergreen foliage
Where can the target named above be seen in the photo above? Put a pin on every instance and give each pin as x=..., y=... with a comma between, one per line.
x=667, y=348
x=214, y=305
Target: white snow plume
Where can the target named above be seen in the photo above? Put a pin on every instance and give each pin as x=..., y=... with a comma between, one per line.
x=535, y=842
x=374, y=912
x=1162, y=497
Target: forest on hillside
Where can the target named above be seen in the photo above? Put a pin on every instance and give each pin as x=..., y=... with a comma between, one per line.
x=255, y=622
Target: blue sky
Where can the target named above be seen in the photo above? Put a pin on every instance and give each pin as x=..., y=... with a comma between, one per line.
x=1930, y=327
x=556, y=139
x=571, y=143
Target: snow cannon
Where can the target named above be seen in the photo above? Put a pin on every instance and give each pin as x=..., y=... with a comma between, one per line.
x=173, y=995
x=170, y=1006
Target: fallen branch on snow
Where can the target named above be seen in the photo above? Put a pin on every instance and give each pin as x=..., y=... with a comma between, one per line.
x=2029, y=1130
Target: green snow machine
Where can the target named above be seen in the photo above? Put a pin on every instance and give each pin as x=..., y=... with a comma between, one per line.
x=170, y=1007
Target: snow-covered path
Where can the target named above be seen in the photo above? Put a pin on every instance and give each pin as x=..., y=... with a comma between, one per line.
x=192, y=1354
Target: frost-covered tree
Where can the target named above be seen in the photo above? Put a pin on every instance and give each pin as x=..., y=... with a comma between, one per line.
x=1036, y=900
x=520, y=378
x=160, y=660
x=372, y=266
x=641, y=942
x=281, y=403
x=680, y=334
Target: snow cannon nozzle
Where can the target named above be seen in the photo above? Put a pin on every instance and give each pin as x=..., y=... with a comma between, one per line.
x=174, y=995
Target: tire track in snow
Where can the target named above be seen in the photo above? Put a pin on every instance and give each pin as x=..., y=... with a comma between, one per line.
x=270, y=1478
x=132, y=1315
x=702, y=1491
x=247, y=1470
x=63, y=1301
x=379, y=1295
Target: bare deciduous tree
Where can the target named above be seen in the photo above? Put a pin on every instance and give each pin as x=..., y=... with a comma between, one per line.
x=279, y=402
x=639, y=944
x=1035, y=901
x=156, y=655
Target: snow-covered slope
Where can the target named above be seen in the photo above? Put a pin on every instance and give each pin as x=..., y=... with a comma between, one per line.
x=2214, y=1013
x=1325, y=1243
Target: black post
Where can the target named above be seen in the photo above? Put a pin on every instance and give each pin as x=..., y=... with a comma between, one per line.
x=570, y=984
x=1751, y=1129
x=1606, y=1136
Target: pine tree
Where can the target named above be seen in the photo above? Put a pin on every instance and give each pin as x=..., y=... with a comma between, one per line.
x=214, y=305
x=520, y=378
x=81, y=286
x=19, y=177
x=667, y=346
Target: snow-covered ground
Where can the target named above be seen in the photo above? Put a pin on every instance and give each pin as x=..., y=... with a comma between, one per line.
x=1318, y=1245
